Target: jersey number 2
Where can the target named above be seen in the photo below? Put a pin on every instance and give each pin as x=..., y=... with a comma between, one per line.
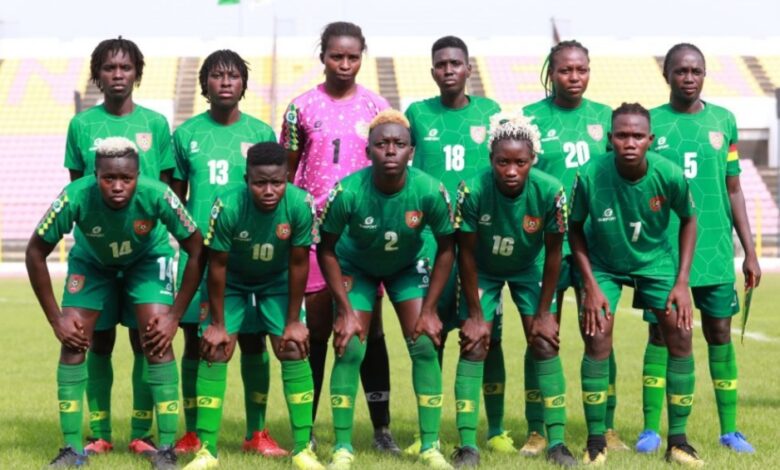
x=577, y=153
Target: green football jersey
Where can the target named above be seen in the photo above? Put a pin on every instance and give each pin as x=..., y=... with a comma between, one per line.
x=259, y=242
x=510, y=231
x=627, y=221
x=211, y=156
x=117, y=237
x=382, y=233
x=148, y=129
x=451, y=144
x=570, y=138
x=704, y=146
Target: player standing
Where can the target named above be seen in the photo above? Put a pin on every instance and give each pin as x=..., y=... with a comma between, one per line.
x=511, y=222
x=377, y=216
x=628, y=197
x=449, y=133
x=574, y=132
x=701, y=138
x=258, y=233
x=211, y=150
x=124, y=219
x=116, y=68
x=325, y=131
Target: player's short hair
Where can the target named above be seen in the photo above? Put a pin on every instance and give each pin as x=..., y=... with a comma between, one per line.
x=450, y=41
x=549, y=63
x=222, y=58
x=116, y=147
x=679, y=47
x=517, y=126
x=114, y=46
x=338, y=29
x=631, y=108
x=266, y=153
x=389, y=116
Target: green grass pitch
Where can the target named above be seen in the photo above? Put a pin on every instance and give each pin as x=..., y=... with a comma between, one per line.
x=30, y=437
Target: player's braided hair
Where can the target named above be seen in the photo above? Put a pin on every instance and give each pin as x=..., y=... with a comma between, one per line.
x=266, y=153
x=388, y=116
x=224, y=58
x=631, y=108
x=341, y=28
x=114, y=46
x=116, y=147
x=679, y=47
x=450, y=41
x=549, y=63
x=505, y=126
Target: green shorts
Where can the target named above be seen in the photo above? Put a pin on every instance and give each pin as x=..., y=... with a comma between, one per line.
x=649, y=292
x=719, y=301
x=409, y=283
x=192, y=314
x=569, y=276
x=252, y=312
x=93, y=287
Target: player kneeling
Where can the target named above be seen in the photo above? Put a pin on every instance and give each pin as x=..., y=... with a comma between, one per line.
x=511, y=221
x=124, y=217
x=629, y=196
x=371, y=235
x=258, y=246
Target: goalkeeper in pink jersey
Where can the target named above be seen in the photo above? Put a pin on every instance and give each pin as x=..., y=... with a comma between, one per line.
x=325, y=132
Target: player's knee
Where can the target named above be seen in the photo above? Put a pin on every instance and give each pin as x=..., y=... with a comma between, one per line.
x=477, y=354
x=291, y=352
x=422, y=349
x=680, y=343
x=717, y=331
x=543, y=349
x=353, y=353
x=655, y=336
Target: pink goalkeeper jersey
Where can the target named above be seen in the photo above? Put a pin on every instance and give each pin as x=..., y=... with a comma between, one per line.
x=330, y=135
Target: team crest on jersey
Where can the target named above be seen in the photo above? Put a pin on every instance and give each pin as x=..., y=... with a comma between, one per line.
x=144, y=140
x=142, y=227
x=596, y=131
x=531, y=224
x=716, y=140
x=413, y=218
x=478, y=134
x=75, y=283
x=656, y=203
x=245, y=148
x=283, y=231
x=347, y=280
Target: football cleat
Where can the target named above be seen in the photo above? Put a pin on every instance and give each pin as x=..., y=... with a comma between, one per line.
x=306, y=460
x=614, y=442
x=465, y=457
x=737, y=442
x=263, y=444
x=502, y=443
x=68, y=457
x=534, y=445
x=342, y=460
x=97, y=446
x=561, y=456
x=684, y=454
x=203, y=461
x=188, y=444
x=144, y=446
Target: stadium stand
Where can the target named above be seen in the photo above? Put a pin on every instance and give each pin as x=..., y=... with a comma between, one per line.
x=730, y=76
x=771, y=65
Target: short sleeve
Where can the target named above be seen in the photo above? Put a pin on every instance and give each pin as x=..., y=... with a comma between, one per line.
x=58, y=220
x=466, y=208
x=439, y=214
x=732, y=159
x=410, y=117
x=163, y=139
x=557, y=212
x=292, y=136
x=335, y=215
x=219, y=235
x=682, y=204
x=74, y=159
x=181, y=156
x=175, y=216
x=579, y=199
x=304, y=226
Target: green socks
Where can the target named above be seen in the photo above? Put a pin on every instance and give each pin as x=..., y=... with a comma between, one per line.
x=553, y=386
x=343, y=388
x=493, y=383
x=164, y=382
x=611, y=396
x=212, y=381
x=680, y=383
x=255, y=372
x=426, y=379
x=299, y=395
x=467, y=384
x=654, y=385
x=723, y=370
x=71, y=384
x=534, y=408
x=99, y=381
x=595, y=383
x=143, y=403
x=189, y=378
